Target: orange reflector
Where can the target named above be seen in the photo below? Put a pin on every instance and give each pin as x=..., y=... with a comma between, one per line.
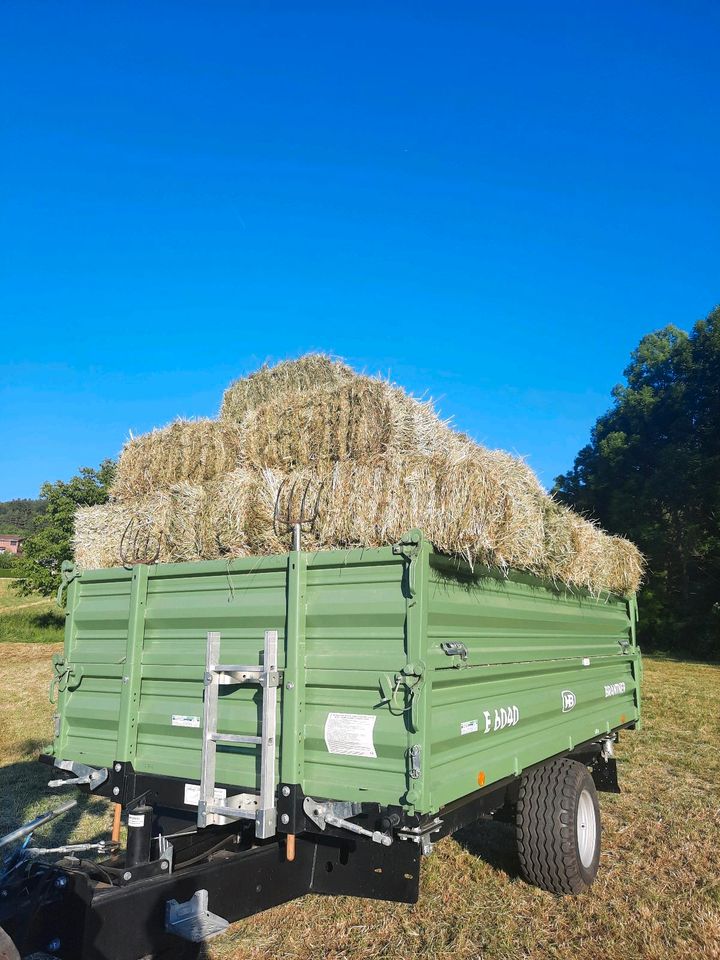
x=481, y=778
x=622, y=718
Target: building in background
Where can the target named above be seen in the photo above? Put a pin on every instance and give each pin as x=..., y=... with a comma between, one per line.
x=10, y=543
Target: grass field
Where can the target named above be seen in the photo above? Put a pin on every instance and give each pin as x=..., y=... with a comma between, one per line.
x=31, y=619
x=657, y=895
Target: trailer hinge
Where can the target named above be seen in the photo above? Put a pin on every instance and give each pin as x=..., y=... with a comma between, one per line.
x=414, y=754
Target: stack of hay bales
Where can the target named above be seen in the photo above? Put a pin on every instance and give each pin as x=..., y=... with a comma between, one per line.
x=377, y=461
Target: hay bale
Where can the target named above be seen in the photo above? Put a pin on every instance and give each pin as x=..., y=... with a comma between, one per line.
x=168, y=526
x=190, y=451
x=290, y=376
x=385, y=463
x=229, y=516
x=580, y=554
x=481, y=504
x=98, y=530
x=361, y=419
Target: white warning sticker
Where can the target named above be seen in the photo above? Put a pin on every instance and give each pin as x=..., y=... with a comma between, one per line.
x=136, y=819
x=468, y=726
x=350, y=734
x=180, y=720
x=192, y=794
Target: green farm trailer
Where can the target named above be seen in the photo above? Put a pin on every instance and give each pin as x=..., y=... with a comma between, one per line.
x=271, y=726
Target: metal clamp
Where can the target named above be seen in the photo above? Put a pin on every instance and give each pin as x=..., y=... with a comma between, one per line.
x=334, y=812
x=84, y=775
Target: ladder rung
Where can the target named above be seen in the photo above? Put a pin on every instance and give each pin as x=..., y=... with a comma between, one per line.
x=253, y=670
x=234, y=738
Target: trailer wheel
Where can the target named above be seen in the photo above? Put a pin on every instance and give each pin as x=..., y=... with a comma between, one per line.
x=558, y=827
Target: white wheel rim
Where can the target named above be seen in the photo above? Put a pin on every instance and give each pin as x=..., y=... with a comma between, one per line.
x=586, y=828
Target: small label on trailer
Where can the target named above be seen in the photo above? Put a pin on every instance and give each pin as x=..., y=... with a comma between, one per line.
x=179, y=720
x=136, y=819
x=350, y=734
x=468, y=726
x=192, y=794
x=613, y=689
x=568, y=701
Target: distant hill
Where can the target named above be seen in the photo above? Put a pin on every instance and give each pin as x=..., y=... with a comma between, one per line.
x=18, y=516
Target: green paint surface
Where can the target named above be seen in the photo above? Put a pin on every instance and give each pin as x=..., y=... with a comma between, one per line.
x=544, y=669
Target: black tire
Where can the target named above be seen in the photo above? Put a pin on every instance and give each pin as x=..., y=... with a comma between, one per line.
x=558, y=827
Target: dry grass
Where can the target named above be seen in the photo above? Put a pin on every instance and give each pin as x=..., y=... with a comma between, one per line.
x=189, y=451
x=657, y=896
x=290, y=376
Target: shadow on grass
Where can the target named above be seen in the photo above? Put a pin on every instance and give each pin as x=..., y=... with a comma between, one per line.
x=493, y=842
x=24, y=795
x=28, y=626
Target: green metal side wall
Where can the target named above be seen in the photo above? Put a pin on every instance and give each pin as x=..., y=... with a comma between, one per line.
x=348, y=622
x=527, y=646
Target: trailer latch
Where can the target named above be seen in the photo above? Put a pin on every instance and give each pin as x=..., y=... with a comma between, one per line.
x=324, y=814
x=66, y=676
x=84, y=775
x=454, y=648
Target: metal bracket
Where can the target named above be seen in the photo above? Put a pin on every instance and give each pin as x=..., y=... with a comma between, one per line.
x=84, y=775
x=66, y=676
x=415, y=767
x=422, y=834
x=454, y=648
x=192, y=920
x=409, y=544
x=334, y=812
x=68, y=572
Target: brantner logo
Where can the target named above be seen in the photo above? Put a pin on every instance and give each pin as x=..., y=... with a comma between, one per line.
x=568, y=701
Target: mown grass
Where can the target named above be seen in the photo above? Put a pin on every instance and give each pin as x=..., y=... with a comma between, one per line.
x=32, y=619
x=657, y=895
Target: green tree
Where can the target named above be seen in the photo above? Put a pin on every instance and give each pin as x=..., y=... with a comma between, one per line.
x=38, y=569
x=18, y=516
x=652, y=472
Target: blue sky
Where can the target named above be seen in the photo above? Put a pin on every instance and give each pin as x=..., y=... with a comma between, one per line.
x=490, y=202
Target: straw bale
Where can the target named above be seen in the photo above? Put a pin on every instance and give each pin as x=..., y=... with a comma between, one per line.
x=168, y=526
x=379, y=462
x=290, y=376
x=479, y=503
x=362, y=419
x=230, y=513
x=580, y=554
x=191, y=451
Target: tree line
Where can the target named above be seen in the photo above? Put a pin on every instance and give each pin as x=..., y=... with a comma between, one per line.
x=651, y=472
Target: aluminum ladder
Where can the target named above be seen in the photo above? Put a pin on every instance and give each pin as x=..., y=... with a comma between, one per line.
x=262, y=808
